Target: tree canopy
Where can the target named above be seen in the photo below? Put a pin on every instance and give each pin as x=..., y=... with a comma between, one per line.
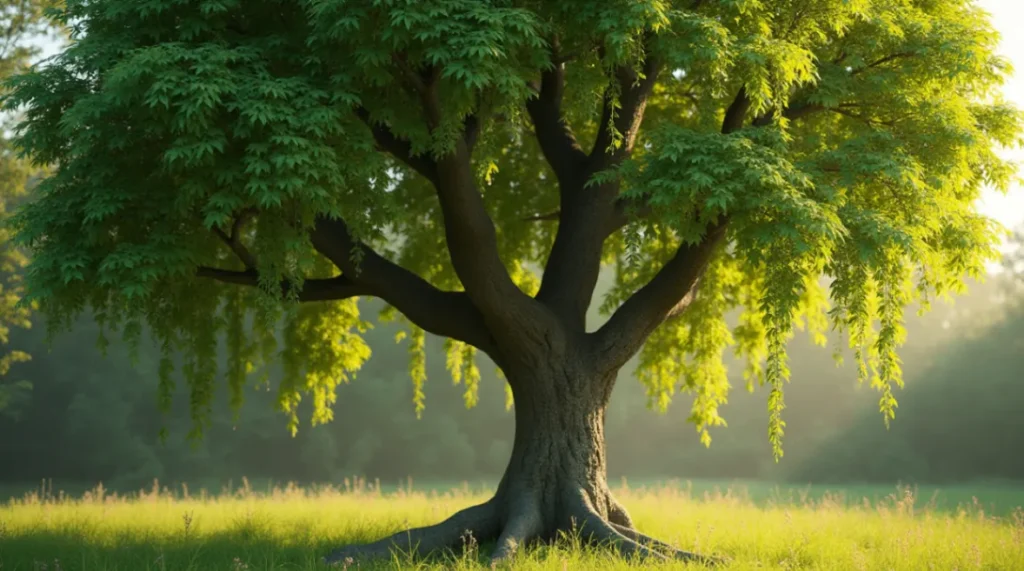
x=437, y=153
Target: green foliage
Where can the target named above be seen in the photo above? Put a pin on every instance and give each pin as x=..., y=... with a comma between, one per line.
x=873, y=127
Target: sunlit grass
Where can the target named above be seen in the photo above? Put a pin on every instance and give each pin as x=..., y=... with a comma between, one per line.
x=290, y=528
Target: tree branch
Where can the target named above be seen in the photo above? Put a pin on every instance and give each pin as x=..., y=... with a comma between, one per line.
x=574, y=264
x=633, y=90
x=234, y=242
x=882, y=61
x=330, y=289
x=443, y=313
x=471, y=131
x=473, y=245
x=398, y=148
x=668, y=293
x=556, y=139
x=803, y=110
x=491, y=296
x=736, y=114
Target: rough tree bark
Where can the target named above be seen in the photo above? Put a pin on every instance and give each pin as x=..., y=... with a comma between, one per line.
x=555, y=480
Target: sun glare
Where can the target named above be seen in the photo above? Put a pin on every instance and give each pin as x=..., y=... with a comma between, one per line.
x=1006, y=16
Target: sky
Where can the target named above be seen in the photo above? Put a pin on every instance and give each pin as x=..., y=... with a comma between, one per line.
x=1008, y=15
x=1008, y=209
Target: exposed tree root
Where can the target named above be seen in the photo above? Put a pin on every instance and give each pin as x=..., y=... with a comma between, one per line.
x=523, y=526
x=515, y=527
x=597, y=530
x=618, y=515
x=481, y=521
x=631, y=543
x=642, y=539
x=665, y=548
x=621, y=522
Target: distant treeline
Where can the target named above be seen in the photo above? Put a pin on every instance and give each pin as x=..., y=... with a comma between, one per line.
x=93, y=419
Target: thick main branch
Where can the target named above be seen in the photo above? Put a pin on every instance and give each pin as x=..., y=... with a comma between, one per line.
x=469, y=231
x=628, y=328
x=671, y=289
x=586, y=214
x=444, y=313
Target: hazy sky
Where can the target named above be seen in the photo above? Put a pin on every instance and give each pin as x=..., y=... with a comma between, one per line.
x=1008, y=16
x=1008, y=209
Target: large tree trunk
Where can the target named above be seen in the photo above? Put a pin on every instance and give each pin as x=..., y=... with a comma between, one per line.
x=555, y=480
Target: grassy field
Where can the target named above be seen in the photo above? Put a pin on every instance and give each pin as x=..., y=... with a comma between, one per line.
x=755, y=526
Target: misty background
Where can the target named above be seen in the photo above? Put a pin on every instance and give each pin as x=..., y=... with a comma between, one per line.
x=89, y=418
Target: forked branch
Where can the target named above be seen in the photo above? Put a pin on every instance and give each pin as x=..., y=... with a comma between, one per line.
x=234, y=240
x=669, y=292
x=585, y=215
x=556, y=139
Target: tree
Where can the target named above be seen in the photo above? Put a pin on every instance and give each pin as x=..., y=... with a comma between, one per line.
x=225, y=167
x=19, y=19
x=1013, y=260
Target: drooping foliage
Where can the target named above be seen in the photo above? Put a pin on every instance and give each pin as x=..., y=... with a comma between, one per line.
x=193, y=134
x=19, y=21
x=932, y=440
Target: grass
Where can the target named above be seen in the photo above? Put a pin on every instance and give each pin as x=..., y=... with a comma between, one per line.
x=756, y=526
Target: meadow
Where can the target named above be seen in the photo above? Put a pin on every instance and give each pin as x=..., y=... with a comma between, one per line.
x=756, y=526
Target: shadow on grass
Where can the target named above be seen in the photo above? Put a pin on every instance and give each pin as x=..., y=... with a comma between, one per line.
x=225, y=551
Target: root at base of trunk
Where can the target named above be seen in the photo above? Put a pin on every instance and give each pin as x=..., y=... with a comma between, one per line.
x=513, y=529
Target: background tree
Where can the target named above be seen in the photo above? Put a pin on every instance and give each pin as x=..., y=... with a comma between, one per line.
x=1013, y=261
x=323, y=150
x=19, y=21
